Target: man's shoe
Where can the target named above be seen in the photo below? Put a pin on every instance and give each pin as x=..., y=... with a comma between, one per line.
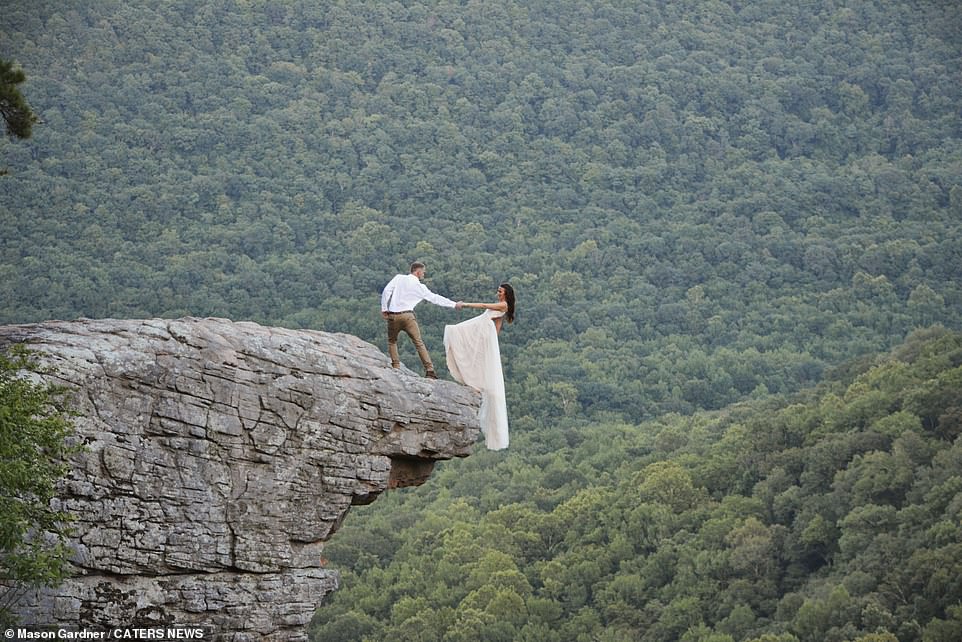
x=430, y=374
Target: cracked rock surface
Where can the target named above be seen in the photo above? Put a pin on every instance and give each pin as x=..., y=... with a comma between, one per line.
x=220, y=456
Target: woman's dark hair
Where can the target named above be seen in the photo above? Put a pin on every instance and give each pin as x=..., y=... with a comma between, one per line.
x=509, y=299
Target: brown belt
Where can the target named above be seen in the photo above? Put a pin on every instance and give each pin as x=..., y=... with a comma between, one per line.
x=402, y=312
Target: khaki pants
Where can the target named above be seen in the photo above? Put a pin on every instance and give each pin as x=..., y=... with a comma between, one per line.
x=406, y=322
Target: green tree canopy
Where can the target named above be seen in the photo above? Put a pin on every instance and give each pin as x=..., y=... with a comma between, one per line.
x=34, y=443
x=14, y=109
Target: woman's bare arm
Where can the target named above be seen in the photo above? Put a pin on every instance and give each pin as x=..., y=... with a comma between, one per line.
x=500, y=306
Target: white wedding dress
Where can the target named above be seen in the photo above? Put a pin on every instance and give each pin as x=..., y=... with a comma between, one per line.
x=474, y=359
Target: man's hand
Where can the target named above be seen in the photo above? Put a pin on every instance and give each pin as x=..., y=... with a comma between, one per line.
x=384, y=314
x=458, y=305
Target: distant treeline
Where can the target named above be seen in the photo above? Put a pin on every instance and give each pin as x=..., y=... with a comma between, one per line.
x=696, y=202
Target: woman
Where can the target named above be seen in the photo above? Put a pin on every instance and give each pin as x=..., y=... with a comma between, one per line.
x=474, y=359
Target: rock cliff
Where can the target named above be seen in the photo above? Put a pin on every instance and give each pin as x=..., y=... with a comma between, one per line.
x=220, y=456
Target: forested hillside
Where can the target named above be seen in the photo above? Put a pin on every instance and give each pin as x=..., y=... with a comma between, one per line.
x=835, y=517
x=705, y=208
x=696, y=201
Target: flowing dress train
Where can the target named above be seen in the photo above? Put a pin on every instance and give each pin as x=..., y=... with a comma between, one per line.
x=474, y=359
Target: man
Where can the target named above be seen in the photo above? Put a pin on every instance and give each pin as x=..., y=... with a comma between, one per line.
x=398, y=300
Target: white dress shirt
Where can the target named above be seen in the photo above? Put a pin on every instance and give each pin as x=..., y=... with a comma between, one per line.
x=405, y=291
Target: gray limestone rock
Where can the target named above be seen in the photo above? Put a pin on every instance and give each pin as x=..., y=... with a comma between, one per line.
x=220, y=456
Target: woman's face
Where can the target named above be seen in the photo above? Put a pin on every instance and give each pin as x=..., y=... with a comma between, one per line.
x=500, y=294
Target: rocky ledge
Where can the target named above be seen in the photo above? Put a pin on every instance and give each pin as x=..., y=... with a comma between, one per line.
x=219, y=458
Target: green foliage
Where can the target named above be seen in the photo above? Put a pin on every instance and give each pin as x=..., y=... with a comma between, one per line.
x=840, y=521
x=34, y=442
x=14, y=110
x=696, y=202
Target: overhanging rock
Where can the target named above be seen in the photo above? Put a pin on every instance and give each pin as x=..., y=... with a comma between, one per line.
x=220, y=456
